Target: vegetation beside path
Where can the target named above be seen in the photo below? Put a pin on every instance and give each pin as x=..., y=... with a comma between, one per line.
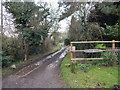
x=96, y=77
x=8, y=70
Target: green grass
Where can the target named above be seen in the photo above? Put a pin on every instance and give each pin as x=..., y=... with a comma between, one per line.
x=96, y=77
x=6, y=71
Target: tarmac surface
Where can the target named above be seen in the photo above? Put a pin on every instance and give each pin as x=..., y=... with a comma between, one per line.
x=45, y=73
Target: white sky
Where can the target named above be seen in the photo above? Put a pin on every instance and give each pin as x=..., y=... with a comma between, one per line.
x=63, y=25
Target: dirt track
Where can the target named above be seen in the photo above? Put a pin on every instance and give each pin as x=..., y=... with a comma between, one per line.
x=44, y=74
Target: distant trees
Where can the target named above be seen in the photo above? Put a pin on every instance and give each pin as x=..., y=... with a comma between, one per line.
x=66, y=42
x=74, y=29
x=80, y=28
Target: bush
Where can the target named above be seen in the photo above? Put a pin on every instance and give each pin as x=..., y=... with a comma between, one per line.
x=73, y=67
x=100, y=46
x=83, y=67
x=6, y=59
x=111, y=58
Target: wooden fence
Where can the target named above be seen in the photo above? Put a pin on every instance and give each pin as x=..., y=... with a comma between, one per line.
x=81, y=42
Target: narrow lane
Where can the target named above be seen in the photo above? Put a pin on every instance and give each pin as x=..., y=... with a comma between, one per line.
x=46, y=74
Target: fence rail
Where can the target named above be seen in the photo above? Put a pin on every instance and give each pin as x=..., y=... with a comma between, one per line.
x=80, y=42
x=113, y=41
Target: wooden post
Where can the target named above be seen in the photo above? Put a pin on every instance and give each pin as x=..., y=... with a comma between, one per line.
x=70, y=53
x=2, y=33
x=113, y=44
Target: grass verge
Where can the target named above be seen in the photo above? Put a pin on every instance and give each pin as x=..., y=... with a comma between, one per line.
x=96, y=77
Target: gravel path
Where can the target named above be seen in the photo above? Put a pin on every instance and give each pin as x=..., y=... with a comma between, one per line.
x=44, y=74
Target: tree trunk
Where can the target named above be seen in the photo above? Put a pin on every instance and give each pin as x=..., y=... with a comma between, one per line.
x=26, y=52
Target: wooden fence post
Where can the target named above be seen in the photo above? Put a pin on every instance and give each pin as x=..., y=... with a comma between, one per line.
x=113, y=44
x=70, y=53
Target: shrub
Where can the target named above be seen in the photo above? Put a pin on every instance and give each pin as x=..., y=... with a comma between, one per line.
x=6, y=59
x=83, y=67
x=111, y=58
x=73, y=67
x=100, y=46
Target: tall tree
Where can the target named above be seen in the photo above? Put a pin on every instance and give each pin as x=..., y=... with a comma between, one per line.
x=105, y=13
x=31, y=22
x=108, y=17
